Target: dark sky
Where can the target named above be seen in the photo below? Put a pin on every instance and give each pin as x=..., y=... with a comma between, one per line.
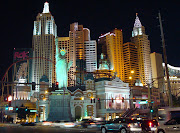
x=99, y=16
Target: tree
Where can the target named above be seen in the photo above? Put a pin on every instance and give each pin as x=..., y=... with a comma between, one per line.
x=176, y=101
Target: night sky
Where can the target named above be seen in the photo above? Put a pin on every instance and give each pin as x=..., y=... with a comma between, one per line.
x=99, y=16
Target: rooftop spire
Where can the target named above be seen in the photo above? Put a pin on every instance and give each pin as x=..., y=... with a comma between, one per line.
x=46, y=7
x=137, y=21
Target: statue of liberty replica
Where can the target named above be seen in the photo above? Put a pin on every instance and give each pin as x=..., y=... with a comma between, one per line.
x=62, y=67
x=60, y=99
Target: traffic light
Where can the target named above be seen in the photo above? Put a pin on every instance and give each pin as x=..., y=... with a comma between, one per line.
x=123, y=99
x=9, y=100
x=134, y=99
x=53, y=86
x=94, y=100
x=91, y=100
x=9, y=103
x=33, y=85
x=26, y=109
x=56, y=86
x=16, y=108
x=99, y=100
x=112, y=100
x=151, y=109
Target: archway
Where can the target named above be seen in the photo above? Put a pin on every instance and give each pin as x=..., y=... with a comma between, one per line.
x=78, y=112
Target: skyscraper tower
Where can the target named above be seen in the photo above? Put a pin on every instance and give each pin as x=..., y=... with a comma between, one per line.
x=90, y=51
x=44, y=34
x=76, y=36
x=82, y=53
x=112, y=45
x=140, y=38
x=131, y=67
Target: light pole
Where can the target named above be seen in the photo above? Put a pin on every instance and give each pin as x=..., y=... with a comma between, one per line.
x=165, y=61
x=131, y=85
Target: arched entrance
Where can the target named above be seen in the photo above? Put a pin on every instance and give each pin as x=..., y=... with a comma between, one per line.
x=78, y=112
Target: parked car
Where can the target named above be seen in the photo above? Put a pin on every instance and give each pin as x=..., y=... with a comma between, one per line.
x=123, y=125
x=171, y=126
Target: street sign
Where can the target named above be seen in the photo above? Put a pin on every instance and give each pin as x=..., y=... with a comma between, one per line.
x=143, y=102
x=33, y=110
x=10, y=108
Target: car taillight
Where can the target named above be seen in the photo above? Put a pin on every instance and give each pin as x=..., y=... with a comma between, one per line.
x=69, y=124
x=150, y=124
x=129, y=125
x=92, y=123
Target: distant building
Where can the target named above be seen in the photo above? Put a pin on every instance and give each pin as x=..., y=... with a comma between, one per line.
x=140, y=38
x=81, y=49
x=83, y=100
x=104, y=68
x=157, y=71
x=131, y=65
x=43, y=44
x=110, y=93
x=90, y=55
x=22, y=73
x=174, y=76
x=111, y=44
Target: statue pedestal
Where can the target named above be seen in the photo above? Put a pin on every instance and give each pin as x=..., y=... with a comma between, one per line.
x=59, y=106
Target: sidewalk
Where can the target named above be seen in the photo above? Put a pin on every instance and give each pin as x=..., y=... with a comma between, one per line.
x=8, y=124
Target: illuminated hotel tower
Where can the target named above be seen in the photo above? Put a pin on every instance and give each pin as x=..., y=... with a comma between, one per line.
x=90, y=51
x=82, y=51
x=141, y=40
x=131, y=67
x=111, y=44
x=44, y=34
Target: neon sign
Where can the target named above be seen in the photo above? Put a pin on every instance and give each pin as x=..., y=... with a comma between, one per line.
x=21, y=55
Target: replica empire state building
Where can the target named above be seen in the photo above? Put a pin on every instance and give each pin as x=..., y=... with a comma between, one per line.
x=43, y=43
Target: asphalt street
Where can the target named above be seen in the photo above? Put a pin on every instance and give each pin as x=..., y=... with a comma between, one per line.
x=43, y=129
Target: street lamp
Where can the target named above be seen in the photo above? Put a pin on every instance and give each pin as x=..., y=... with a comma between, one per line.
x=132, y=71
x=131, y=84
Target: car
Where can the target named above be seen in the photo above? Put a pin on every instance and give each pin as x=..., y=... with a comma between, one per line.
x=62, y=123
x=171, y=126
x=149, y=125
x=87, y=123
x=122, y=125
x=28, y=124
x=44, y=123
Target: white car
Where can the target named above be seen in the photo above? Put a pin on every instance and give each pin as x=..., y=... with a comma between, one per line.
x=171, y=126
x=63, y=124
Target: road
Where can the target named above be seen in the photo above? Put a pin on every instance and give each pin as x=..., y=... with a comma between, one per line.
x=13, y=128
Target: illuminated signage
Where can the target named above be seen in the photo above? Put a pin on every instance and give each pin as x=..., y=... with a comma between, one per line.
x=143, y=102
x=10, y=108
x=21, y=55
x=33, y=110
